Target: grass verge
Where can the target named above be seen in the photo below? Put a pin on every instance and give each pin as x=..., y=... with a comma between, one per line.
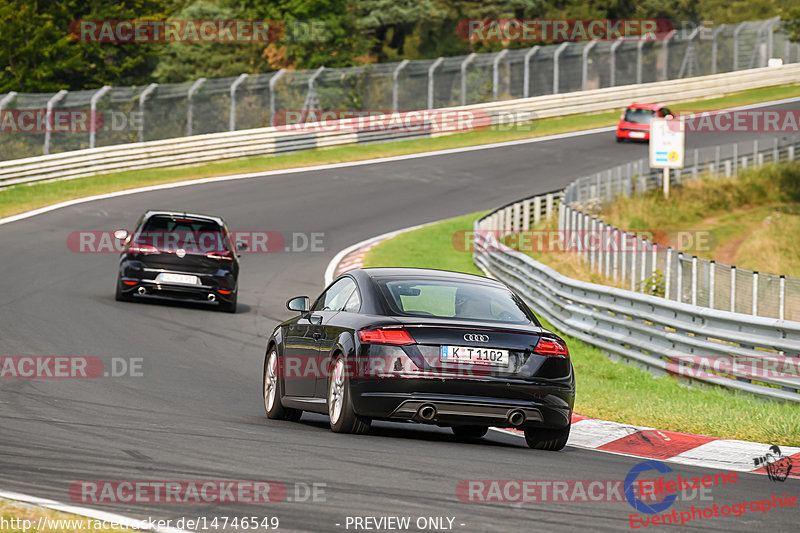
x=609, y=390
x=20, y=517
x=22, y=198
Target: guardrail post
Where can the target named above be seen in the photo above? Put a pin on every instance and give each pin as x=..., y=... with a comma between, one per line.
x=232, y=114
x=714, y=48
x=733, y=289
x=573, y=228
x=515, y=225
x=142, y=99
x=615, y=235
x=643, y=254
x=526, y=215
x=496, y=73
x=196, y=85
x=775, y=154
x=781, y=297
x=464, y=65
x=694, y=280
x=585, y=63
x=47, y=118
x=738, y=29
x=623, y=252
x=633, y=262
x=679, y=278
x=639, y=46
x=548, y=202
x=608, y=236
x=790, y=153
x=93, y=113
x=755, y=293
x=537, y=209
x=526, y=72
x=667, y=269
x=395, y=78
x=272, y=81
x=654, y=264
x=556, y=67
x=696, y=168
x=590, y=243
x=431, y=70
x=612, y=62
x=712, y=267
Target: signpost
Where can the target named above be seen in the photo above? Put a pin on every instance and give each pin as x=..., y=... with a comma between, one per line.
x=667, y=146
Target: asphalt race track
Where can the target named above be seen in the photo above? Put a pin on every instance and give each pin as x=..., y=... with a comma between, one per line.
x=196, y=412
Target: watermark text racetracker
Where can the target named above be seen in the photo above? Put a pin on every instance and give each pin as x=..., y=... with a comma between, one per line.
x=69, y=367
x=148, y=492
x=196, y=242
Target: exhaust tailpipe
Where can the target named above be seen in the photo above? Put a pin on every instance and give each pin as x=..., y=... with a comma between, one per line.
x=142, y=291
x=427, y=412
x=516, y=418
x=212, y=297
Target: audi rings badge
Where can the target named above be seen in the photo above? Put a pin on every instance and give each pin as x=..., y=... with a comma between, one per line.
x=472, y=337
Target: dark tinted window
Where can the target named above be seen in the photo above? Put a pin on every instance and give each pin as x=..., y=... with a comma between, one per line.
x=452, y=299
x=639, y=116
x=193, y=235
x=337, y=296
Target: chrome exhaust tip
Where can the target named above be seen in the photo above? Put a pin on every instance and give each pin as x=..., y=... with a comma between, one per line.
x=141, y=291
x=212, y=297
x=427, y=412
x=516, y=418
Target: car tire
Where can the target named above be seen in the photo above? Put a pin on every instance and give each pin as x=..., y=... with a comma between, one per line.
x=229, y=307
x=547, y=439
x=121, y=296
x=470, y=432
x=343, y=419
x=273, y=390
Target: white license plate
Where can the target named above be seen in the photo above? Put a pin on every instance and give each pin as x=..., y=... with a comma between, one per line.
x=636, y=135
x=183, y=279
x=476, y=356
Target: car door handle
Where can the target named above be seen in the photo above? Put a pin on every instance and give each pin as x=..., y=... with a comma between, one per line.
x=316, y=335
x=315, y=319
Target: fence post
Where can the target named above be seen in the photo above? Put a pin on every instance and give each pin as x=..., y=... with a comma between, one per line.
x=590, y=240
x=733, y=289
x=526, y=215
x=585, y=63
x=623, y=245
x=196, y=85
x=695, y=170
x=738, y=29
x=526, y=72
x=232, y=115
x=272, y=81
x=395, y=77
x=47, y=120
x=496, y=73
x=431, y=70
x=775, y=154
x=93, y=113
x=716, y=160
x=612, y=62
x=755, y=293
x=712, y=268
x=735, y=158
x=665, y=50
x=781, y=297
x=694, y=280
x=714, y=48
x=654, y=258
x=679, y=279
x=464, y=65
x=556, y=55
x=615, y=236
x=142, y=98
x=548, y=202
x=639, y=46
x=667, y=268
x=537, y=209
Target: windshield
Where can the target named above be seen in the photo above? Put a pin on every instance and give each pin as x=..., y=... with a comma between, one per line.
x=168, y=234
x=452, y=299
x=639, y=116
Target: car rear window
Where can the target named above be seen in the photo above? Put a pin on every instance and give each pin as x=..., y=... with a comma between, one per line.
x=452, y=299
x=193, y=235
x=639, y=116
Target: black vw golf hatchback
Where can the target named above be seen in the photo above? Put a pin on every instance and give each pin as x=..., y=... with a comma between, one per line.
x=179, y=255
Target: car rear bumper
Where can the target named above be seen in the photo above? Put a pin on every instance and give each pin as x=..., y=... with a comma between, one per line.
x=465, y=401
x=636, y=135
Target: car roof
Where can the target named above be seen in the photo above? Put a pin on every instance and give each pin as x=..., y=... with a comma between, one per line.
x=424, y=273
x=184, y=214
x=654, y=107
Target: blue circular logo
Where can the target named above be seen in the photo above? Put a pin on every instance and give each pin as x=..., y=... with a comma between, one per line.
x=630, y=481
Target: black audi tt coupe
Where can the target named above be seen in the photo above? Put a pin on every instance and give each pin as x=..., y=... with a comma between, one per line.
x=429, y=346
x=179, y=255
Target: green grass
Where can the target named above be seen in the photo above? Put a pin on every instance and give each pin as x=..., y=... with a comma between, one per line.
x=26, y=197
x=609, y=390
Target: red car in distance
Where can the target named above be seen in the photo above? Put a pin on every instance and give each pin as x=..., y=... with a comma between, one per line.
x=635, y=121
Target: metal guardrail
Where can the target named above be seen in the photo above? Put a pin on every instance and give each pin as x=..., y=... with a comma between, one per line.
x=272, y=140
x=756, y=354
x=171, y=110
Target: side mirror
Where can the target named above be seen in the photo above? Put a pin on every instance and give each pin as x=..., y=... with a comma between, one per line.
x=121, y=234
x=240, y=246
x=299, y=303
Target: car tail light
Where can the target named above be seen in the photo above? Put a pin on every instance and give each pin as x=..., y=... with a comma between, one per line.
x=139, y=248
x=126, y=282
x=393, y=336
x=550, y=348
x=223, y=291
x=222, y=255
